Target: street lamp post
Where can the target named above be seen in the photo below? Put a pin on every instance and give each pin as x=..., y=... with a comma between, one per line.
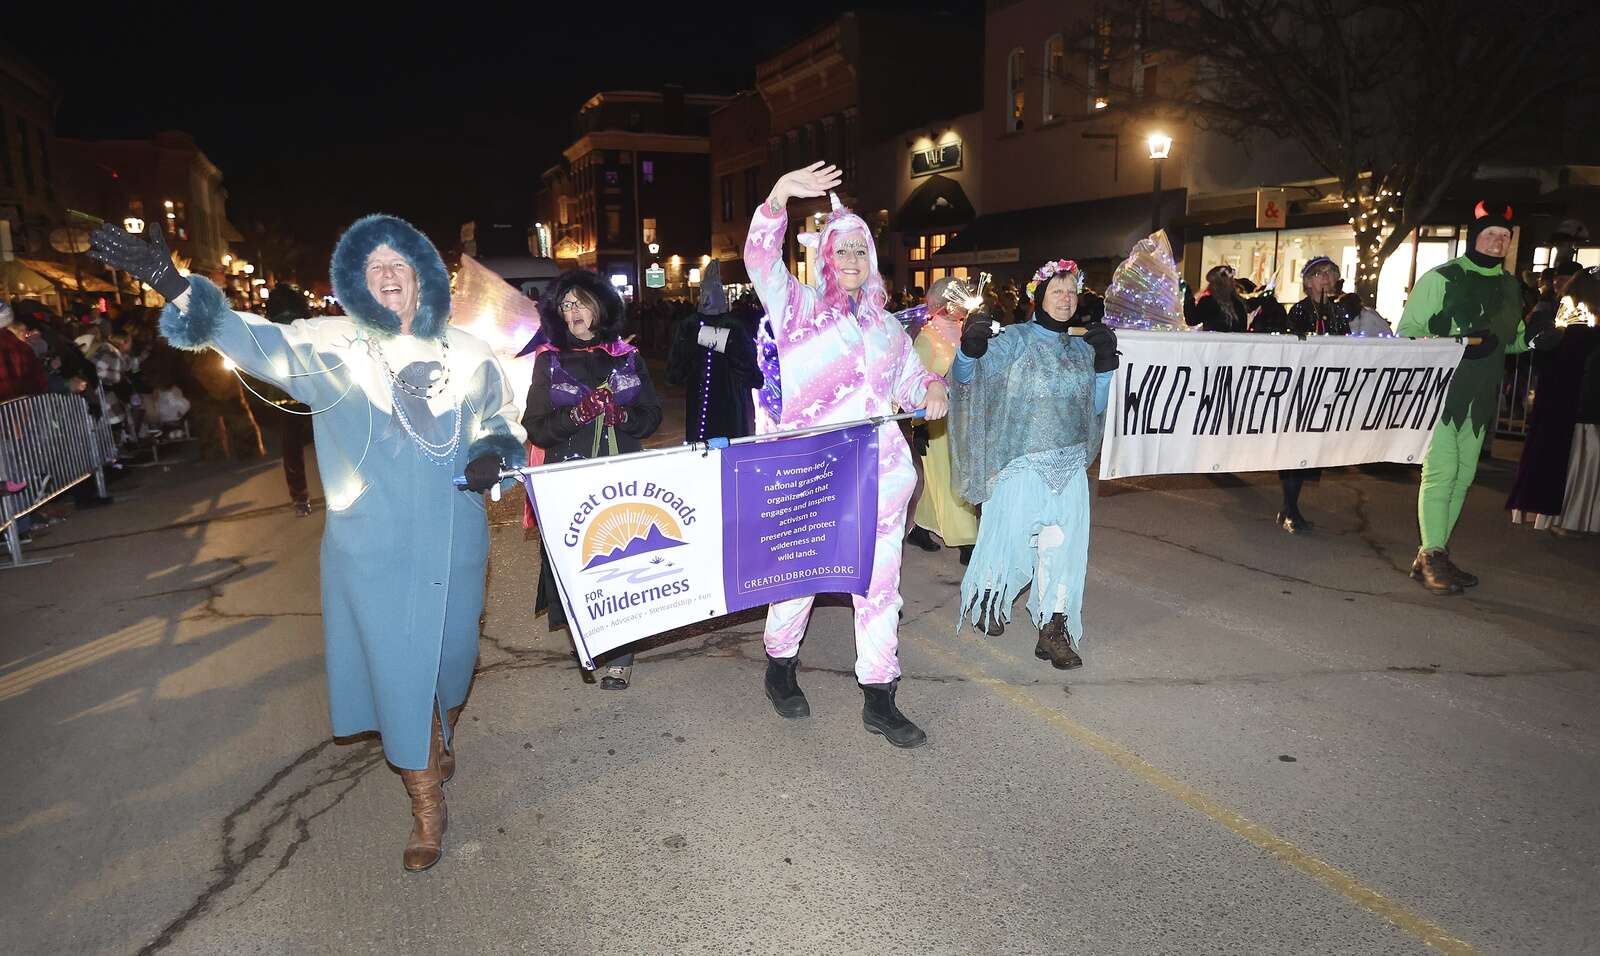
x=1160, y=147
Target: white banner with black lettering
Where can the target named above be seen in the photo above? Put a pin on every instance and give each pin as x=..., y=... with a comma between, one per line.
x=1212, y=402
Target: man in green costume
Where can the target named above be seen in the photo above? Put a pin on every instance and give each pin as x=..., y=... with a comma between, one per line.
x=1475, y=298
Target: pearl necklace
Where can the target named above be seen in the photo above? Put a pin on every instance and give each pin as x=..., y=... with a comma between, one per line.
x=440, y=453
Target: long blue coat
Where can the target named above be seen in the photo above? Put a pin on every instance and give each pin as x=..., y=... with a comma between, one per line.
x=403, y=552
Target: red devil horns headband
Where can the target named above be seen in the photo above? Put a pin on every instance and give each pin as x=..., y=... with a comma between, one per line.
x=1478, y=212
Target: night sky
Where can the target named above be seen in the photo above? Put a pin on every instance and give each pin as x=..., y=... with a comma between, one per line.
x=314, y=121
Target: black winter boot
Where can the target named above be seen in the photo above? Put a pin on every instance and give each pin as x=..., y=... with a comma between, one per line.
x=786, y=696
x=881, y=716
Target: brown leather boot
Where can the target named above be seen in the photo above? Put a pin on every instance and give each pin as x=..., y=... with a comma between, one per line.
x=1055, y=644
x=1432, y=570
x=1464, y=578
x=428, y=812
x=447, y=758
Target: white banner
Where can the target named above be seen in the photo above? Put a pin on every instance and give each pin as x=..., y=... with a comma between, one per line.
x=633, y=555
x=1214, y=402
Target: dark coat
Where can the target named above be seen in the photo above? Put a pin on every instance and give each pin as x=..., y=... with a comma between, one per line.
x=717, y=399
x=548, y=420
x=1541, y=483
x=1209, y=314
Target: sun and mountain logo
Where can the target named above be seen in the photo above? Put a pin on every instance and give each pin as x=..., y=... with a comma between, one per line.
x=627, y=530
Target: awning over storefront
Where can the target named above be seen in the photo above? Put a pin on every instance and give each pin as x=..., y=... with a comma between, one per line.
x=1096, y=229
x=61, y=276
x=938, y=205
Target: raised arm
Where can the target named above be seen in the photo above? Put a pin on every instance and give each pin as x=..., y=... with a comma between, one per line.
x=763, y=245
x=197, y=315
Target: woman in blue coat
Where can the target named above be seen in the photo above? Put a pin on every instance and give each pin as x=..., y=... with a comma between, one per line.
x=401, y=403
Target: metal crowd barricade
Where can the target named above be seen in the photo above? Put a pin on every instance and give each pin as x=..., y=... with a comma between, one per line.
x=1516, y=397
x=51, y=443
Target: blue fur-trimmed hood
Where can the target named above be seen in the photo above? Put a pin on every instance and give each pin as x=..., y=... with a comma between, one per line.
x=349, y=273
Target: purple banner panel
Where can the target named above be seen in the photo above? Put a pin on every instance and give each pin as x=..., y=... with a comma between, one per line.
x=799, y=516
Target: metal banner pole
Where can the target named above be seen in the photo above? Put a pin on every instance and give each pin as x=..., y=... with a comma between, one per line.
x=460, y=481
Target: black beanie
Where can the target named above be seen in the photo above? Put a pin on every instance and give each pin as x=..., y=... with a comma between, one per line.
x=1486, y=214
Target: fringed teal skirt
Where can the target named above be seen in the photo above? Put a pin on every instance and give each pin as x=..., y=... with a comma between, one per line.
x=1029, y=536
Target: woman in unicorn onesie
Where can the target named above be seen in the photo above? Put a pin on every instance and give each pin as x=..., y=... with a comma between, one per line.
x=1029, y=401
x=832, y=355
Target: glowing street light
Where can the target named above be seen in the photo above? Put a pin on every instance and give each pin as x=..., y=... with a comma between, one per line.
x=1160, y=147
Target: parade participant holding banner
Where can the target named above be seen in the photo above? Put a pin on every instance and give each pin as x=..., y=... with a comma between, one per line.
x=839, y=358
x=1473, y=297
x=940, y=509
x=1026, y=424
x=591, y=397
x=1318, y=313
x=1219, y=308
x=402, y=402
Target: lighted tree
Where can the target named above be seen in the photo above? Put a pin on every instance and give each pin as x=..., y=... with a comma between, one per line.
x=1396, y=99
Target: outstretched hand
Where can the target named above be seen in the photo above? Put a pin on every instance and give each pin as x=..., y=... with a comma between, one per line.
x=149, y=262
x=810, y=182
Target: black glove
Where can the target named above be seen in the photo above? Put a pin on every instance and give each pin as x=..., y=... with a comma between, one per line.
x=1548, y=339
x=976, y=333
x=1104, y=342
x=1486, y=346
x=149, y=262
x=919, y=440
x=483, y=472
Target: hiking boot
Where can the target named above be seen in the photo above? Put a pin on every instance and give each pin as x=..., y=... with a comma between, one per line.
x=1432, y=570
x=782, y=689
x=1464, y=578
x=1055, y=644
x=880, y=716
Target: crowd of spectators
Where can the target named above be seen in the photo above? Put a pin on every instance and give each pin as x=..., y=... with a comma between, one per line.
x=109, y=355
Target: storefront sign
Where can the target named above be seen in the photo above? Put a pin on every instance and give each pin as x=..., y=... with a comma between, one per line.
x=936, y=159
x=996, y=255
x=1209, y=402
x=1272, y=209
x=655, y=277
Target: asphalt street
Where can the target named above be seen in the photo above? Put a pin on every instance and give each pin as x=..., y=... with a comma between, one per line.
x=1277, y=745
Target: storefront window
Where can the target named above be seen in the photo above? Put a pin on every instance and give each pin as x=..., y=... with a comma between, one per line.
x=1587, y=256
x=1251, y=256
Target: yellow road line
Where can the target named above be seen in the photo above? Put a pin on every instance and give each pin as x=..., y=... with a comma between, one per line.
x=1338, y=880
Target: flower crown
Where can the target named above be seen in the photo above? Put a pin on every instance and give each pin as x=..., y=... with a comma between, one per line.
x=1050, y=270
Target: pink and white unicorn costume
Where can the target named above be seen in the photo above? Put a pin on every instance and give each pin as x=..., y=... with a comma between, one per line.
x=841, y=361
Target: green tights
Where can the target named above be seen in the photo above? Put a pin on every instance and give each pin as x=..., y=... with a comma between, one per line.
x=1447, y=473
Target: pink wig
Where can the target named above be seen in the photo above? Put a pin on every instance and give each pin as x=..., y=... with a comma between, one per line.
x=841, y=224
